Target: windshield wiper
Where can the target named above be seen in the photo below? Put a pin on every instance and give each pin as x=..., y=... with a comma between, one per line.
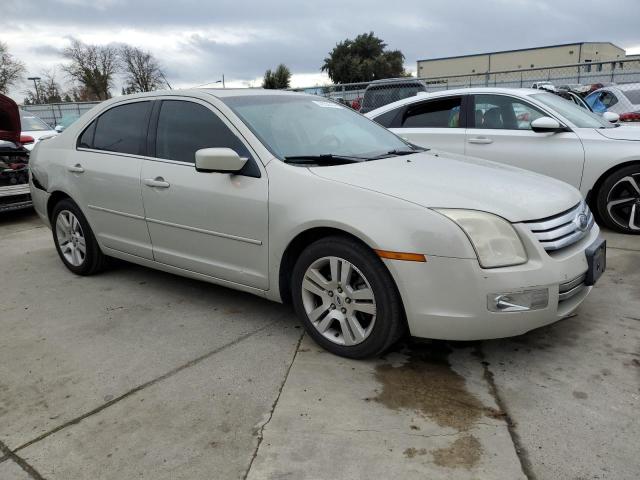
x=323, y=159
x=398, y=153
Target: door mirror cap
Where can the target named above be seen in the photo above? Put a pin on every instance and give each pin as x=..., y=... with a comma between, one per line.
x=221, y=160
x=547, y=125
x=59, y=128
x=611, y=117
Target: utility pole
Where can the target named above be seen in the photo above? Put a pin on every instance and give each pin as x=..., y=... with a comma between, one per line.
x=35, y=84
x=223, y=81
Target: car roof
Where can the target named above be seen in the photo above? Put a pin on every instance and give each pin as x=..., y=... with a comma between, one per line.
x=200, y=92
x=455, y=91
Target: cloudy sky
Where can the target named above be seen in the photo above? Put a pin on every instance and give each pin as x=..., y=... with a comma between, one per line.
x=198, y=41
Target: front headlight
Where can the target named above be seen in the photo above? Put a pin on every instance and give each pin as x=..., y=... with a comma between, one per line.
x=493, y=238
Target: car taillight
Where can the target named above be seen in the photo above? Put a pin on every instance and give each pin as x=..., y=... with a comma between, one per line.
x=630, y=117
x=26, y=139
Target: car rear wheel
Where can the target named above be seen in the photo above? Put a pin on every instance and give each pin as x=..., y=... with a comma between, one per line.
x=346, y=298
x=618, y=200
x=74, y=239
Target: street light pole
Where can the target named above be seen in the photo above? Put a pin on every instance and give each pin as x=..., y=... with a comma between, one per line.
x=35, y=84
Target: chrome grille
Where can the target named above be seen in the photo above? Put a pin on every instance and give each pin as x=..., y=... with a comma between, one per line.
x=563, y=229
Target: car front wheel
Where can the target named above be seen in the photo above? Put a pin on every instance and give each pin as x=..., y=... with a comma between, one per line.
x=618, y=200
x=74, y=239
x=346, y=298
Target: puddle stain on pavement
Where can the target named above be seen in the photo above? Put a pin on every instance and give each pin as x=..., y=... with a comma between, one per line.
x=465, y=452
x=428, y=385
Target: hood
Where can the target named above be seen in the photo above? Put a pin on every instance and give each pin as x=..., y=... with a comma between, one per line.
x=9, y=120
x=442, y=180
x=623, y=132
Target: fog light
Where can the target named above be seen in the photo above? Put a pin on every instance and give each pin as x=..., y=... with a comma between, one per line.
x=522, y=301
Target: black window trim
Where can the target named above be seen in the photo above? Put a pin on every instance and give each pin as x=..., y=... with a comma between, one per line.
x=402, y=111
x=250, y=169
x=253, y=164
x=94, y=123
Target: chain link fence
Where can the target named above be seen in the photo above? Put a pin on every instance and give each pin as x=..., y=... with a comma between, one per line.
x=59, y=113
x=620, y=81
x=617, y=84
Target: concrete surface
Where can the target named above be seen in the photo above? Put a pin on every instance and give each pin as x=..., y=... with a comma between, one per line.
x=137, y=373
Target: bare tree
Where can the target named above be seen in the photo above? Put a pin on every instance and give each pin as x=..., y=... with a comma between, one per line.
x=142, y=70
x=49, y=90
x=11, y=69
x=93, y=67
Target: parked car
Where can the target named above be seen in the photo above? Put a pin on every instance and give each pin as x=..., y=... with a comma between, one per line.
x=34, y=129
x=535, y=130
x=296, y=198
x=382, y=92
x=544, y=86
x=14, y=159
x=621, y=99
x=580, y=102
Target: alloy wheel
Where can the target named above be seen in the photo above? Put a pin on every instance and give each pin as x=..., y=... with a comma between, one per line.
x=339, y=301
x=71, y=240
x=623, y=202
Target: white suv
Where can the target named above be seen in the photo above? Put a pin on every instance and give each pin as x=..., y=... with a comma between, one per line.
x=294, y=198
x=535, y=130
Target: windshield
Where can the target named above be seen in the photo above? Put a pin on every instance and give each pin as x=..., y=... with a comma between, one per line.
x=302, y=125
x=31, y=123
x=580, y=117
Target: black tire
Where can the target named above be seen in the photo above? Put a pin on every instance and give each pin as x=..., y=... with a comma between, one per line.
x=614, y=186
x=94, y=260
x=390, y=323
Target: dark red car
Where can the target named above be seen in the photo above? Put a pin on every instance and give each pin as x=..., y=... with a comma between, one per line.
x=14, y=159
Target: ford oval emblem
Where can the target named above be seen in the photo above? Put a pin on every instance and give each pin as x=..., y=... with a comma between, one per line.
x=581, y=221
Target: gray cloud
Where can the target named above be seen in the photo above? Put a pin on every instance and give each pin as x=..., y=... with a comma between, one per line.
x=242, y=38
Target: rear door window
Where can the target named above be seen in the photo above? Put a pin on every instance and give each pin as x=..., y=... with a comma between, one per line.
x=121, y=129
x=441, y=113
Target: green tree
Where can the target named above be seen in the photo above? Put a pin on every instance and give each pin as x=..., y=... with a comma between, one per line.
x=363, y=59
x=11, y=69
x=279, y=79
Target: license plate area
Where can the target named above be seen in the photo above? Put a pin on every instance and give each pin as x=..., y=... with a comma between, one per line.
x=596, y=260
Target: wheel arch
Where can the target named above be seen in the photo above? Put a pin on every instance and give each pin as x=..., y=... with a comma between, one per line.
x=298, y=244
x=592, y=195
x=54, y=198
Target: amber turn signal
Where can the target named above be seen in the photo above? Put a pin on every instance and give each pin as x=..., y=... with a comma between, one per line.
x=409, y=257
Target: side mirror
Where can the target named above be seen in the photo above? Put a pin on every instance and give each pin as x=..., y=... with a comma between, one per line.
x=611, y=117
x=221, y=160
x=547, y=125
x=59, y=128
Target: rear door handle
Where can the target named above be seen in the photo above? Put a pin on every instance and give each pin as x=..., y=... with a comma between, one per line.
x=77, y=168
x=480, y=140
x=157, y=182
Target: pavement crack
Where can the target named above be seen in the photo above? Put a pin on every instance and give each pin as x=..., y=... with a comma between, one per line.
x=273, y=408
x=521, y=452
x=141, y=387
x=8, y=454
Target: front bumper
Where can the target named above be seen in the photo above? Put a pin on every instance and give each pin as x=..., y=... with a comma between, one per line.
x=446, y=298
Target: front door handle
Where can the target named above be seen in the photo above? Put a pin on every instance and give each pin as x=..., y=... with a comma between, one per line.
x=157, y=182
x=480, y=140
x=77, y=168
